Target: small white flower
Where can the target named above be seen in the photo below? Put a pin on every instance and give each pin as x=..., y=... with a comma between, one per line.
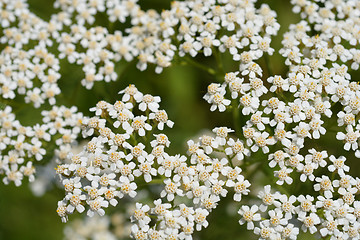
x=249, y=215
x=338, y=164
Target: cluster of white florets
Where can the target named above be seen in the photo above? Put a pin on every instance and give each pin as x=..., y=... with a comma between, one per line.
x=21, y=147
x=110, y=162
x=28, y=67
x=317, y=96
x=281, y=216
x=193, y=188
x=188, y=27
x=127, y=152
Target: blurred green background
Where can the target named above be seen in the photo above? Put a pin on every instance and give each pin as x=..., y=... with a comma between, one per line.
x=24, y=216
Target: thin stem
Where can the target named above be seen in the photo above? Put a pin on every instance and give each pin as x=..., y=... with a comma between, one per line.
x=201, y=66
x=219, y=61
x=267, y=63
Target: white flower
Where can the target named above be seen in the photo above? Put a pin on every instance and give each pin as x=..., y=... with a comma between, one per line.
x=139, y=233
x=258, y=88
x=268, y=198
x=222, y=134
x=240, y=187
x=149, y=102
x=123, y=119
x=96, y=205
x=261, y=45
x=306, y=205
x=171, y=189
x=309, y=222
x=75, y=198
x=35, y=97
x=36, y=149
x=160, y=208
x=217, y=187
x=327, y=203
x=146, y=169
x=249, y=215
x=287, y=205
x=182, y=172
x=139, y=124
x=208, y=143
x=282, y=135
x=219, y=101
x=345, y=184
x=261, y=141
x=29, y=171
x=162, y=119
x=249, y=103
x=283, y=175
x=230, y=42
x=343, y=212
x=161, y=139
x=324, y=184
x=290, y=232
x=237, y=148
x=276, y=219
x=90, y=77
x=238, y=87
x=131, y=91
x=61, y=211
x=265, y=231
x=190, y=46
x=12, y=174
x=307, y=171
x=200, y=218
x=338, y=164
x=330, y=226
x=252, y=69
x=278, y=83
x=258, y=120
x=140, y=215
x=315, y=126
x=318, y=158
x=345, y=118
x=277, y=158
x=207, y=42
x=350, y=138
x=127, y=187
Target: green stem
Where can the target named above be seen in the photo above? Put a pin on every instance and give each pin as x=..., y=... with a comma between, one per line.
x=267, y=63
x=219, y=62
x=201, y=66
x=236, y=117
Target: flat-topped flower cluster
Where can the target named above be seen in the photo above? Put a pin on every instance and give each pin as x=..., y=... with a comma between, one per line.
x=281, y=123
x=22, y=147
x=188, y=28
x=117, y=164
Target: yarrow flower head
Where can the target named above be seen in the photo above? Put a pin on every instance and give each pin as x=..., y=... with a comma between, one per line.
x=279, y=124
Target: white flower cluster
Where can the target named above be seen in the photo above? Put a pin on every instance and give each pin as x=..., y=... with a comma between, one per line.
x=109, y=164
x=151, y=38
x=64, y=126
x=119, y=161
x=211, y=174
x=317, y=97
x=284, y=116
x=27, y=66
x=281, y=216
x=21, y=147
x=189, y=27
x=290, y=121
